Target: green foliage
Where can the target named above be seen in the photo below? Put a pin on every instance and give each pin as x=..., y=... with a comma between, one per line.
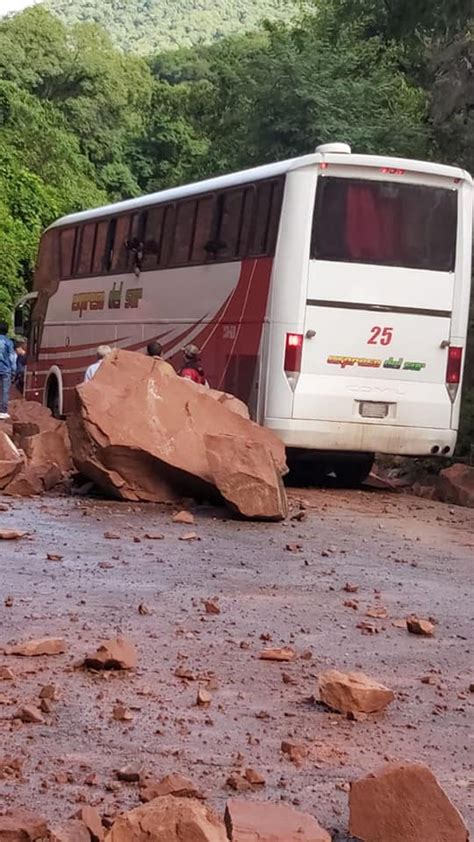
x=145, y=26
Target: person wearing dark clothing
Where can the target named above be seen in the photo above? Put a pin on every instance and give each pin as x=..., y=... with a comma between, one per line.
x=192, y=368
x=7, y=369
x=155, y=349
x=21, y=360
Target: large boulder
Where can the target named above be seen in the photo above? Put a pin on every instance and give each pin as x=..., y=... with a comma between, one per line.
x=262, y=821
x=456, y=485
x=142, y=433
x=403, y=803
x=169, y=819
x=22, y=826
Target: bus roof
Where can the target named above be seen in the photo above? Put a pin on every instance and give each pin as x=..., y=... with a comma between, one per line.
x=257, y=174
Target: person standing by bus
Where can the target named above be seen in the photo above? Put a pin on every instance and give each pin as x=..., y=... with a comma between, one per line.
x=192, y=368
x=21, y=360
x=103, y=351
x=155, y=349
x=7, y=369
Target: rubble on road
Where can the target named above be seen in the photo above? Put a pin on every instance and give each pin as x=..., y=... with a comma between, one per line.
x=403, y=803
x=353, y=692
x=35, y=648
x=173, y=784
x=169, y=819
x=174, y=439
x=262, y=821
x=423, y=628
x=36, y=457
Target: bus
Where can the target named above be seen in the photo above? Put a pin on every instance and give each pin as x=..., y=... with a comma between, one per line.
x=329, y=292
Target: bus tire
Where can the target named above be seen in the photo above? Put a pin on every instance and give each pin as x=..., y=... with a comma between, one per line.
x=353, y=470
x=52, y=396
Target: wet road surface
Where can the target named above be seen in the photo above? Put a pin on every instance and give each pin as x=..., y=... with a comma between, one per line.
x=406, y=555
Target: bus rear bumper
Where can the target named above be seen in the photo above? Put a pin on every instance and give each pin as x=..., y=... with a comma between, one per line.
x=363, y=438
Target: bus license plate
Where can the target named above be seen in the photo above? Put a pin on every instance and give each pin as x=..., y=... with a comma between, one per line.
x=373, y=409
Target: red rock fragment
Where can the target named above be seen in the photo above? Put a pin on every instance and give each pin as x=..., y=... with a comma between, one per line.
x=423, y=628
x=129, y=774
x=36, y=648
x=254, y=778
x=238, y=783
x=115, y=654
x=171, y=819
x=54, y=557
x=353, y=692
x=112, y=536
x=173, y=784
x=262, y=821
x=154, y=536
x=204, y=698
x=184, y=517
x=22, y=826
x=403, y=803
x=29, y=714
x=211, y=606
x=349, y=588
x=6, y=674
x=93, y=822
x=296, y=752
x=294, y=548
x=190, y=536
x=11, y=535
x=71, y=831
x=279, y=654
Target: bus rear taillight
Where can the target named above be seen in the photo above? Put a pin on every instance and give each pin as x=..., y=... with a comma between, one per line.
x=453, y=371
x=293, y=355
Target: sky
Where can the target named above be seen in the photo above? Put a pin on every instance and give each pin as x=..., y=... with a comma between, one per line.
x=13, y=5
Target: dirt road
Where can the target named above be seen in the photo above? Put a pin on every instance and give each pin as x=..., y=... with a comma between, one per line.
x=405, y=555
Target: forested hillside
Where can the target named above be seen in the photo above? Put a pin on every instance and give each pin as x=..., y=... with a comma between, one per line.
x=81, y=121
x=145, y=26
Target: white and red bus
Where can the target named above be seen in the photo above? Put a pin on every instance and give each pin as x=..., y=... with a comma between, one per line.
x=329, y=292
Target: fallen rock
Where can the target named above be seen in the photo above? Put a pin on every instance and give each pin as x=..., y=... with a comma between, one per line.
x=129, y=774
x=90, y=817
x=21, y=826
x=184, y=517
x=116, y=654
x=50, y=447
x=245, y=474
x=11, y=460
x=11, y=535
x=160, y=453
x=173, y=784
x=35, y=648
x=284, y=654
x=262, y=821
x=296, y=752
x=456, y=485
x=6, y=674
x=403, y=803
x=72, y=831
x=169, y=819
x=211, y=606
x=353, y=692
x=30, y=714
x=27, y=483
x=424, y=628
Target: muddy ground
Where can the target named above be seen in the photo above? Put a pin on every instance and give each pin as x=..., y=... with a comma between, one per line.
x=407, y=555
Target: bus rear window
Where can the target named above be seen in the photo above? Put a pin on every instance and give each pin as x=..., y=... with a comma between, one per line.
x=385, y=223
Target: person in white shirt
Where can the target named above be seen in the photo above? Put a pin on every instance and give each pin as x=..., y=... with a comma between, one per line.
x=102, y=352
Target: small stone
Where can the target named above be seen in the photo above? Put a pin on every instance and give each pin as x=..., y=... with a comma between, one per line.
x=36, y=648
x=46, y=706
x=129, y=774
x=184, y=517
x=254, y=777
x=211, y=606
x=238, y=783
x=424, y=628
x=296, y=752
x=116, y=654
x=22, y=826
x=112, y=536
x=11, y=535
x=143, y=609
x=93, y=822
x=6, y=674
x=154, y=536
x=54, y=557
x=30, y=714
x=190, y=536
x=262, y=821
x=121, y=714
x=173, y=784
x=283, y=654
x=349, y=588
x=169, y=819
x=49, y=691
x=204, y=698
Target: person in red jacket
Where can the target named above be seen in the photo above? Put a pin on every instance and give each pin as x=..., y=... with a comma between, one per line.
x=192, y=368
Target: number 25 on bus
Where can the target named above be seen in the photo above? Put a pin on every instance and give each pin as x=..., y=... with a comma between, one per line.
x=329, y=292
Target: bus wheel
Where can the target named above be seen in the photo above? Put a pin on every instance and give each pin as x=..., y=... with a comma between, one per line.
x=351, y=471
x=52, y=397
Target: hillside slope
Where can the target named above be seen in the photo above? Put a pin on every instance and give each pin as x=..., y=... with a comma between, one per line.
x=150, y=25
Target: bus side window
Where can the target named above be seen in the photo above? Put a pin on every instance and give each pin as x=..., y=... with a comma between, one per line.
x=183, y=233
x=246, y=221
x=120, y=252
x=226, y=230
x=275, y=215
x=100, y=249
x=153, y=237
x=203, y=229
x=67, y=243
x=258, y=245
x=168, y=236
x=85, y=249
